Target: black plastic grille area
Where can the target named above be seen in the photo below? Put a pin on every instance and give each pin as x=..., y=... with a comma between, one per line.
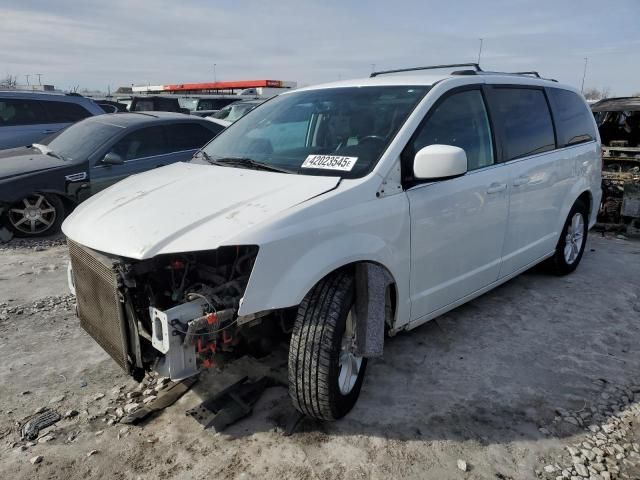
x=99, y=307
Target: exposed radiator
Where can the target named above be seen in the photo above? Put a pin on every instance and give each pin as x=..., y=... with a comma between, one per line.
x=100, y=309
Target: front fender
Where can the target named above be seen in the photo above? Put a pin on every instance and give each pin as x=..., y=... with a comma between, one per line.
x=49, y=181
x=288, y=267
x=272, y=286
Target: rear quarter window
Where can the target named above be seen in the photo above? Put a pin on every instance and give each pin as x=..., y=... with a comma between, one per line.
x=574, y=122
x=526, y=121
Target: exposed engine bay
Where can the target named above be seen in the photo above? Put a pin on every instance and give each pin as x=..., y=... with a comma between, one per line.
x=177, y=313
x=618, y=121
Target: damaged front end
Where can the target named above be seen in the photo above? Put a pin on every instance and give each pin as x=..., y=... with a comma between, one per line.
x=174, y=313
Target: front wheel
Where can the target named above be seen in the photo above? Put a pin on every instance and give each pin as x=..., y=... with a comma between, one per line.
x=36, y=215
x=572, y=241
x=325, y=375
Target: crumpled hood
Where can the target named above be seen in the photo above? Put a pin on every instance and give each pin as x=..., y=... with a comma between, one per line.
x=19, y=161
x=186, y=207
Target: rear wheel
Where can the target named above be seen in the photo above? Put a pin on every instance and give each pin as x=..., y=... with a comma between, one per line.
x=36, y=215
x=325, y=375
x=572, y=241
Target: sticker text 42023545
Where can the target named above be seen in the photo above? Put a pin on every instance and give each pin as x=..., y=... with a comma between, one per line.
x=330, y=162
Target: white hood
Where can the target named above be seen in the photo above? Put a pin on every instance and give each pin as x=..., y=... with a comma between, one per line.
x=186, y=207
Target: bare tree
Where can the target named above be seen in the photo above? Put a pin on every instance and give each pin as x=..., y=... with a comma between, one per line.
x=597, y=93
x=9, y=81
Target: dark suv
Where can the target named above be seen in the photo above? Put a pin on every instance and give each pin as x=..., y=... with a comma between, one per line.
x=28, y=117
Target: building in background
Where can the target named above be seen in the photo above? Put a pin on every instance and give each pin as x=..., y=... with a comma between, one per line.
x=242, y=87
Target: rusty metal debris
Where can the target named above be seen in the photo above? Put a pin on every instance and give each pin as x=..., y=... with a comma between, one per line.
x=619, y=125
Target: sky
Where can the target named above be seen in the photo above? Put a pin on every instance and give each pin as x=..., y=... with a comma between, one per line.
x=107, y=44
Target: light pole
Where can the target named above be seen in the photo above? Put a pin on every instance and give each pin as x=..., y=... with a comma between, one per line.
x=27, y=75
x=584, y=74
x=480, y=51
x=214, y=74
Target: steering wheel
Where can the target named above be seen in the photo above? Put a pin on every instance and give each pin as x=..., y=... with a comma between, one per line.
x=370, y=138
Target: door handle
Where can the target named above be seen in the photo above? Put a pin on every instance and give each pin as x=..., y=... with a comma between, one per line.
x=521, y=180
x=496, y=188
x=48, y=131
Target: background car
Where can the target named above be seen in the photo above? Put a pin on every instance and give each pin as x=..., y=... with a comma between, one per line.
x=236, y=110
x=156, y=103
x=40, y=184
x=112, y=106
x=206, y=106
x=28, y=117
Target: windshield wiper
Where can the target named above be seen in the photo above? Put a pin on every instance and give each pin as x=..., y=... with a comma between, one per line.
x=47, y=151
x=248, y=163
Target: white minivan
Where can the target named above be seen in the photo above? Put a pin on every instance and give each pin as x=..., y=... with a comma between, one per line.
x=332, y=217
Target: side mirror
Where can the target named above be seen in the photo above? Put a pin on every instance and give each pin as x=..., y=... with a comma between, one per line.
x=439, y=161
x=112, y=158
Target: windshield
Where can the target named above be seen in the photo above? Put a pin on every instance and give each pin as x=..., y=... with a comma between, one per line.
x=214, y=103
x=78, y=141
x=188, y=103
x=334, y=131
x=233, y=112
x=238, y=110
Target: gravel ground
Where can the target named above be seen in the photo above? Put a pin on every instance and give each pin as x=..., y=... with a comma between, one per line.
x=537, y=379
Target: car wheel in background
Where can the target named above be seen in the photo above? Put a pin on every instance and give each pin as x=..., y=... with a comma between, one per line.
x=325, y=375
x=572, y=241
x=37, y=215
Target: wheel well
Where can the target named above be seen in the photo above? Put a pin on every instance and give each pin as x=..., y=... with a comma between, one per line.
x=68, y=203
x=586, y=198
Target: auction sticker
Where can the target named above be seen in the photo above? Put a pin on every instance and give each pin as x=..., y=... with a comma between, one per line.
x=330, y=162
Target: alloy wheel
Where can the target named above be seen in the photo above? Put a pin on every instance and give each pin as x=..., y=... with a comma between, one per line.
x=574, y=239
x=33, y=215
x=348, y=362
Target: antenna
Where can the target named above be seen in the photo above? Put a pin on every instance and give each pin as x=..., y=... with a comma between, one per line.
x=480, y=51
x=584, y=74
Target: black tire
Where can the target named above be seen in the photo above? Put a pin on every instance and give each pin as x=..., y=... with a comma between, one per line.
x=558, y=263
x=315, y=349
x=57, y=218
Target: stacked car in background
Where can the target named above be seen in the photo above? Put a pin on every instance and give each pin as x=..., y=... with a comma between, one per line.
x=618, y=120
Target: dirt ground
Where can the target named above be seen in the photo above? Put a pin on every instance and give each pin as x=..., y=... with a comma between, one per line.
x=505, y=383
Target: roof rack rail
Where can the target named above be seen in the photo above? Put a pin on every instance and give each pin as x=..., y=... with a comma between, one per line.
x=535, y=74
x=429, y=67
